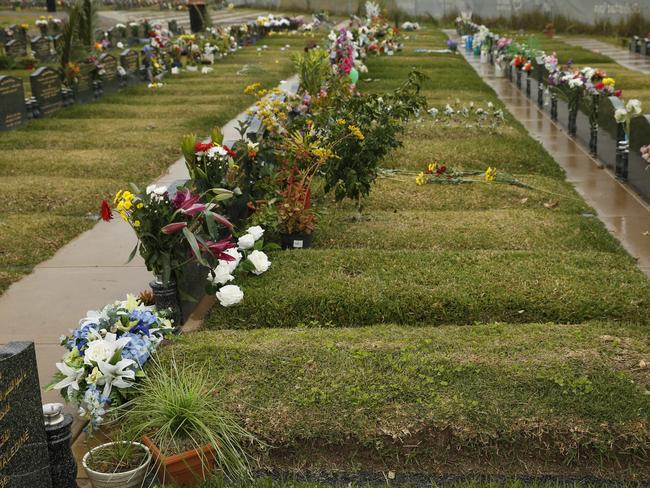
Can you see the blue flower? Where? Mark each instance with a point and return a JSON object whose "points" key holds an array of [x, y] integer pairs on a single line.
{"points": [[138, 348], [145, 320]]}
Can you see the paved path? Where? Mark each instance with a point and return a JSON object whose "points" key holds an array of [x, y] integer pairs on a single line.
{"points": [[620, 55], [623, 212]]}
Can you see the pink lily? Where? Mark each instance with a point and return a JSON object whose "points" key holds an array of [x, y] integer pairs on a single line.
{"points": [[217, 248], [174, 227]]}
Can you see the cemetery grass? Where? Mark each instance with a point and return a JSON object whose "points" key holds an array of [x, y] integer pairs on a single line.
{"points": [[55, 171], [476, 329]]}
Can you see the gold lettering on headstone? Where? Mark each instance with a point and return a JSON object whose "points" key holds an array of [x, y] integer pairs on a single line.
{"points": [[4, 412], [4, 438], [20, 442], [4, 481], [13, 384]]}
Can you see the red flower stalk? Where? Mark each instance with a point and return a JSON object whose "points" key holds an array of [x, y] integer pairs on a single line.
{"points": [[173, 228], [229, 151], [105, 211]]}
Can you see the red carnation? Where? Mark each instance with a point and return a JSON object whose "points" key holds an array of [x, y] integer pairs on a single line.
{"points": [[441, 170], [105, 211], [599, 86], [618, 93], [201, 147]]}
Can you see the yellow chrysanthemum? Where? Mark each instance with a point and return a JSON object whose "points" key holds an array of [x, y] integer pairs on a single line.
{"points": [[140, 205], [251, 88], [341, 121], [433, 167], [420, 179], [356, 132], [490, 174], [136, 223], [609, 82]]}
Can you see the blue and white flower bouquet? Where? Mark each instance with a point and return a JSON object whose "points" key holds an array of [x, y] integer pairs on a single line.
{"points": [[106, 355]]}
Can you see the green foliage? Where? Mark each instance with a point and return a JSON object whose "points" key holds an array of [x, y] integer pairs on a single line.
{"points": [[313, 68], [87, 23], [179, 406], [381, 119]]}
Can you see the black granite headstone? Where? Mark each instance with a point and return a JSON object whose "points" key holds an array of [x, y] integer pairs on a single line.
{"points": [[57, 41], [13, 112], [130, 61], [41, 47], [638, 177], [84, 90], [16, 48], [111, 76], [46, 88], [24, 460]]}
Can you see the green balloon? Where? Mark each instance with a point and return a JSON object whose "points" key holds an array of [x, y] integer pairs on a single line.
{"points": [[354, 75]]}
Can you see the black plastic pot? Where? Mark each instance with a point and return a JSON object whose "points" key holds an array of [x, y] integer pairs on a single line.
{"points": [[166, 296], [296, 241]]}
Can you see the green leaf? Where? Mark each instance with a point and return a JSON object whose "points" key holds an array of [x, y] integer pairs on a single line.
{"points": [[217, 136], [272, 246], [191, 239], [247, 266], [132, 255]]}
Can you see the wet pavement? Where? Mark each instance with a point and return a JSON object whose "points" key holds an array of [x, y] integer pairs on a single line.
{"points": [[625, 214]]}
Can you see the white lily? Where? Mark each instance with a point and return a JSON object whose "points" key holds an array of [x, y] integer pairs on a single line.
{"points": [[116, 375], [72, 377], [104, 349]]}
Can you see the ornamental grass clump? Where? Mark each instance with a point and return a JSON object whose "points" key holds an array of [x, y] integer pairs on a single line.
{"points": [[179, 408]]}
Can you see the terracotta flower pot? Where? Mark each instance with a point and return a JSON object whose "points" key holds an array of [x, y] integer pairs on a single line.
{"points": [[187, 468]]}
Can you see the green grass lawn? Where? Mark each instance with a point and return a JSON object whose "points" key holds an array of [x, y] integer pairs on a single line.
{"points": [[451, 329], [55, 171]]}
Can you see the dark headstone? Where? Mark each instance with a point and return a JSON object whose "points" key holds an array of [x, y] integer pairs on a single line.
{"points": [[84, 90], [130, 61], [638, 177], [4, 38], [13, 112], [16, 48], [41, 47], [46, 88], [24, 460], [111, 76], [57, 41], [172, 25], [198, 14]]}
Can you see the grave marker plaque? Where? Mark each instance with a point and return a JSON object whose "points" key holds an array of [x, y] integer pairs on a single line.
{"points": [[13, 112], [130, 61], [111, 77], [24, 459], [41, 47], [84, 89], [46, 88], [16, 48]]}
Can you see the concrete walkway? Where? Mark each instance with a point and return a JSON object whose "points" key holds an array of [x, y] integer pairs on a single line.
{"points": [[619, 55], [623, 212]]}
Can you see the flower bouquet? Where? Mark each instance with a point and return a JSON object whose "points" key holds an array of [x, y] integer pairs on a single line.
{"points": [[441, 174], [106, 355]]}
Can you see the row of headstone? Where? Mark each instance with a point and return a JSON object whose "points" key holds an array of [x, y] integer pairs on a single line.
{"points": [[592, 123], [49, 94], [44, 48], [640, 45]]}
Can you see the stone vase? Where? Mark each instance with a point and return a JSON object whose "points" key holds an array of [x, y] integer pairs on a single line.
{"points": [[166, 297]]}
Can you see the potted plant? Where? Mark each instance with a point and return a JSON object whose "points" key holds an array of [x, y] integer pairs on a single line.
{"points": [[178, 412], [120, 464], [297, 222]]}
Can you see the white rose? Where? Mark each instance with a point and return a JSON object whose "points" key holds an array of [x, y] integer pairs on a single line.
{"points": [[246, 241], [120, 45], [230, 295], [620, 115], [98, 350], [257, 232], [634, 106], [260, 261], [221, 274], [231, 265]]}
